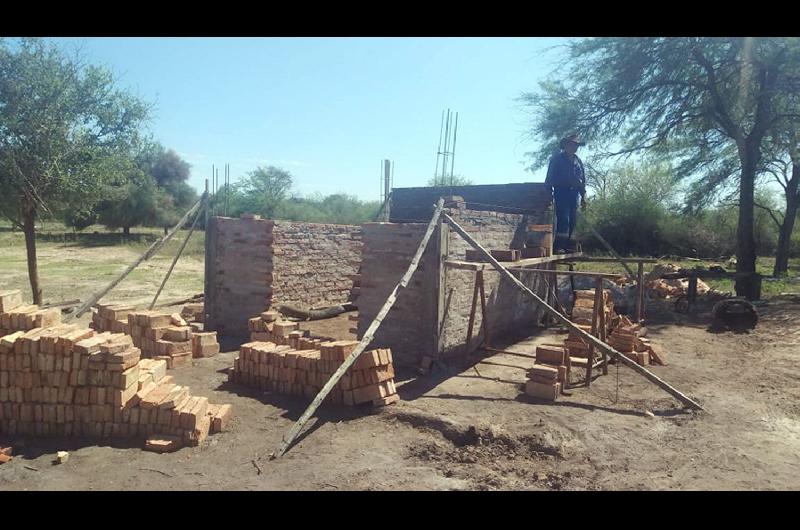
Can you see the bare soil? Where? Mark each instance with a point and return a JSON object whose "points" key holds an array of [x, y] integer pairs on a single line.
{"points": [[471, 427]]}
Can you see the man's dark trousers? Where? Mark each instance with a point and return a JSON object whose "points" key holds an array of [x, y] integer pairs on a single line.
{"points": [[566, 205]]}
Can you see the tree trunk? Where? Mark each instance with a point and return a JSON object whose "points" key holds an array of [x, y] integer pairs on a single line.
{"points": [[165, 230], [126, 230], [29, 227], [745, 237], [785, 237]]}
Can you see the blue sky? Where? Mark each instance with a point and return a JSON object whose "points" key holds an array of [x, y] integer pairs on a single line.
{"points": [[330, 109]]}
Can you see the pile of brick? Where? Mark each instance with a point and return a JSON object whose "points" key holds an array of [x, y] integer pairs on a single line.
{"points": [[629, 339], [164, 336], [549, 374], [583, 309], [16, 315], [66, 380], [112, 317], [5, 454], [194, 315], [539, 241], [304, 366]]}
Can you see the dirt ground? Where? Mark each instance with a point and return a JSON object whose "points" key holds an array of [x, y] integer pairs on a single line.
{"points": [[470, 427]]}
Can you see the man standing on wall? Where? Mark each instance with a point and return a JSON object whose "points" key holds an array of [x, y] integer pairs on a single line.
{"points": [[566, 177]]}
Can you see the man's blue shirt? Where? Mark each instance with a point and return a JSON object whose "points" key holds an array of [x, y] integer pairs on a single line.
{"points": [[565, 173]]}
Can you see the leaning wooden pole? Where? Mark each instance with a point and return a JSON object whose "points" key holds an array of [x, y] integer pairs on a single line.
{"points": [[613, 253], [602, 346], [174, 261], [147, 255], [365, 340]]}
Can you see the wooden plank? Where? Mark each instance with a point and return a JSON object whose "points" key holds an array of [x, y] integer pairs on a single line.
{"points": [[578, 331], [147, 255], [365, 340]]}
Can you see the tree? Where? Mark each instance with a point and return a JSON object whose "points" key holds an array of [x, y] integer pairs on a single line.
{"points": [[696, 97], [79, 217], [263, 190], [171, 173], [132, 201], [64, 129], [449, 180]]}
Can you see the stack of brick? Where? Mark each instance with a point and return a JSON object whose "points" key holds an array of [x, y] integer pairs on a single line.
{"points": [[549, 374], [629, 339], [305, 366], [70, 381], [194, 315], [17, 316], [583, 308], [111, 317], [539, 242], [167, 337]]}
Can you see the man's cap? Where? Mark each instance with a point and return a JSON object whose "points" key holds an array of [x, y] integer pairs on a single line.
{"points": [[572, 137]]}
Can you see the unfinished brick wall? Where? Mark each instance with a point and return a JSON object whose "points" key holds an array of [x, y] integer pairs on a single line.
{"points": [[509, 312], [253, 264], [410, 327]]}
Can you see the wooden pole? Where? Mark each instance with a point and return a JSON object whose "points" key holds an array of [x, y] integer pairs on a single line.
{"points": [[613, 252], [441, 285], [639, 293], [365, 340], [174, 261], [484, 316], [472, 314], [147, 255], [596, 308], [561, 318]]}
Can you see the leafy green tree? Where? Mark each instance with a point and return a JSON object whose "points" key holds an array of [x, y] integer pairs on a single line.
{"points": [[132, 201], [64, 129], [79, 217], [697, 97], [263, 190]]}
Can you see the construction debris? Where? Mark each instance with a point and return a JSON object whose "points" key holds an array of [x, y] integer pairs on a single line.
{"points": [[5, 454], [62, 457]]}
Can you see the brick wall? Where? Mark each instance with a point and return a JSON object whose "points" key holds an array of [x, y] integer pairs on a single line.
{"points": [[410, 327], [257, 263], [509, 312], [313, 263]]}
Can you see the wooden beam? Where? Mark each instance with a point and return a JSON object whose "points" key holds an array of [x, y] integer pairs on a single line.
{"points": [[174, 261], [605, 275], [441, 285], [561, 318], [639, 292], [147, 255], [365, 340], [605, 259], [528, 262]]}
